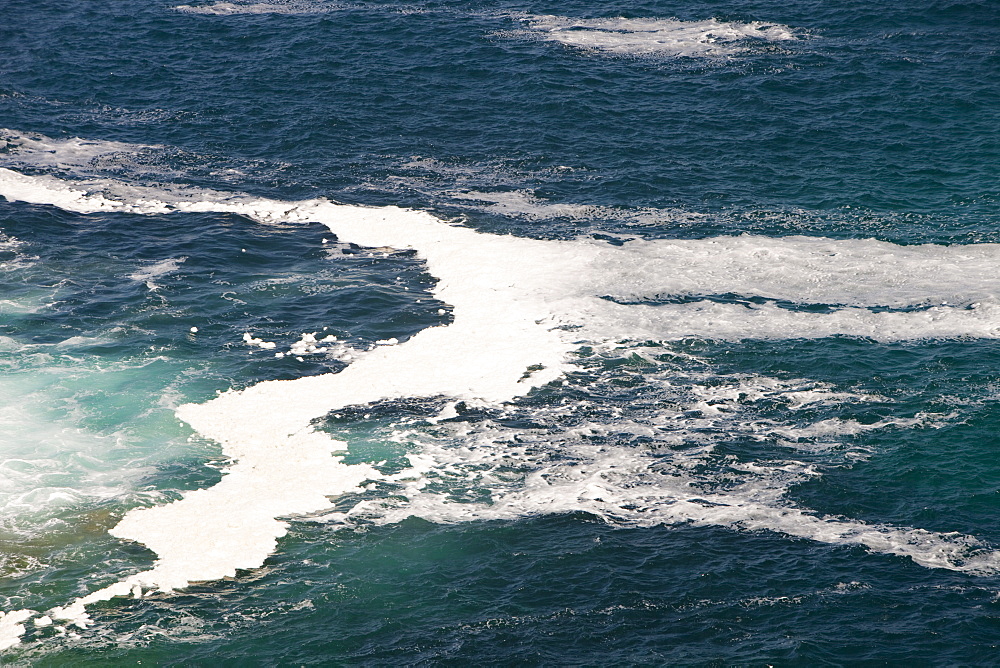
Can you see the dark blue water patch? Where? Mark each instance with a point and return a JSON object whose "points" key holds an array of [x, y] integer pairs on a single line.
{"points": [[557, 591], [876, 111], [230, 276], [939, 474], [940, 479], [934, 369], [879, 121]]}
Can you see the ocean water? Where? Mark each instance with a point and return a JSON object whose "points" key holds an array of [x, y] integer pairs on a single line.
{"points": [[499, 333]]}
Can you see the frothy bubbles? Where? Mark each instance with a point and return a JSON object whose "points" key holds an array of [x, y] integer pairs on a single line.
{"points": [[285, 7], [652, 36], [521, 308], [71, 154]]}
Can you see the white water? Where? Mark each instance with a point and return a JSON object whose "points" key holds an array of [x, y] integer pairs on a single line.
{"points": [[50, 460], [520, 307], [286, 7], [654, 36], [526, 205], [72, 153], [12, 627]]}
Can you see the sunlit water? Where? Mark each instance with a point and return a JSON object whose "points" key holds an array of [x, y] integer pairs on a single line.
{"points": [[576, 334]]}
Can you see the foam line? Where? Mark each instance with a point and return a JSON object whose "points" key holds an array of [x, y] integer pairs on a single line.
{"points": [[679, 502], [649, 486], [72, 153], [235, 8], [520, 306], [12, 627]]}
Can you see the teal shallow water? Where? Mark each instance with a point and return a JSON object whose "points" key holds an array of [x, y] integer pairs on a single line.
{"points": [[870, 121]]}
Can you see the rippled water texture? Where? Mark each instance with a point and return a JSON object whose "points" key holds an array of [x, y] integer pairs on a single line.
{"points": [[504, 334]]}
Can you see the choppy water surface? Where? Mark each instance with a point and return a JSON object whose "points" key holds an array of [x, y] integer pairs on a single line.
{"points": [[494, 333]]}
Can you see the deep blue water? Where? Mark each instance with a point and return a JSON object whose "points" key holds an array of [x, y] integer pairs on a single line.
{"points": [[873, 120]]}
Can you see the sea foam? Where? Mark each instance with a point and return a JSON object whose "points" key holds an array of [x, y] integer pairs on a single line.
{"points": [[232, 8], [654, 36], [71, 153], [521, 307]]}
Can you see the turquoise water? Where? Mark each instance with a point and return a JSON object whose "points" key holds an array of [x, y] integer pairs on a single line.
{"points": [[776, 448]]}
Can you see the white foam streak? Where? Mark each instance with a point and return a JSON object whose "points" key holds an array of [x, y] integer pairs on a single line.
{"points": [[625, 488], [232, 8], [71, 153], [942, 291], [649, 36], [837, 427], [815, 270], [520, 307], [525, 204], [709, 320], [157, 269]]}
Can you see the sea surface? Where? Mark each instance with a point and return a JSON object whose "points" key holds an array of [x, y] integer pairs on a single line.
{"points": [[499, 333]]}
